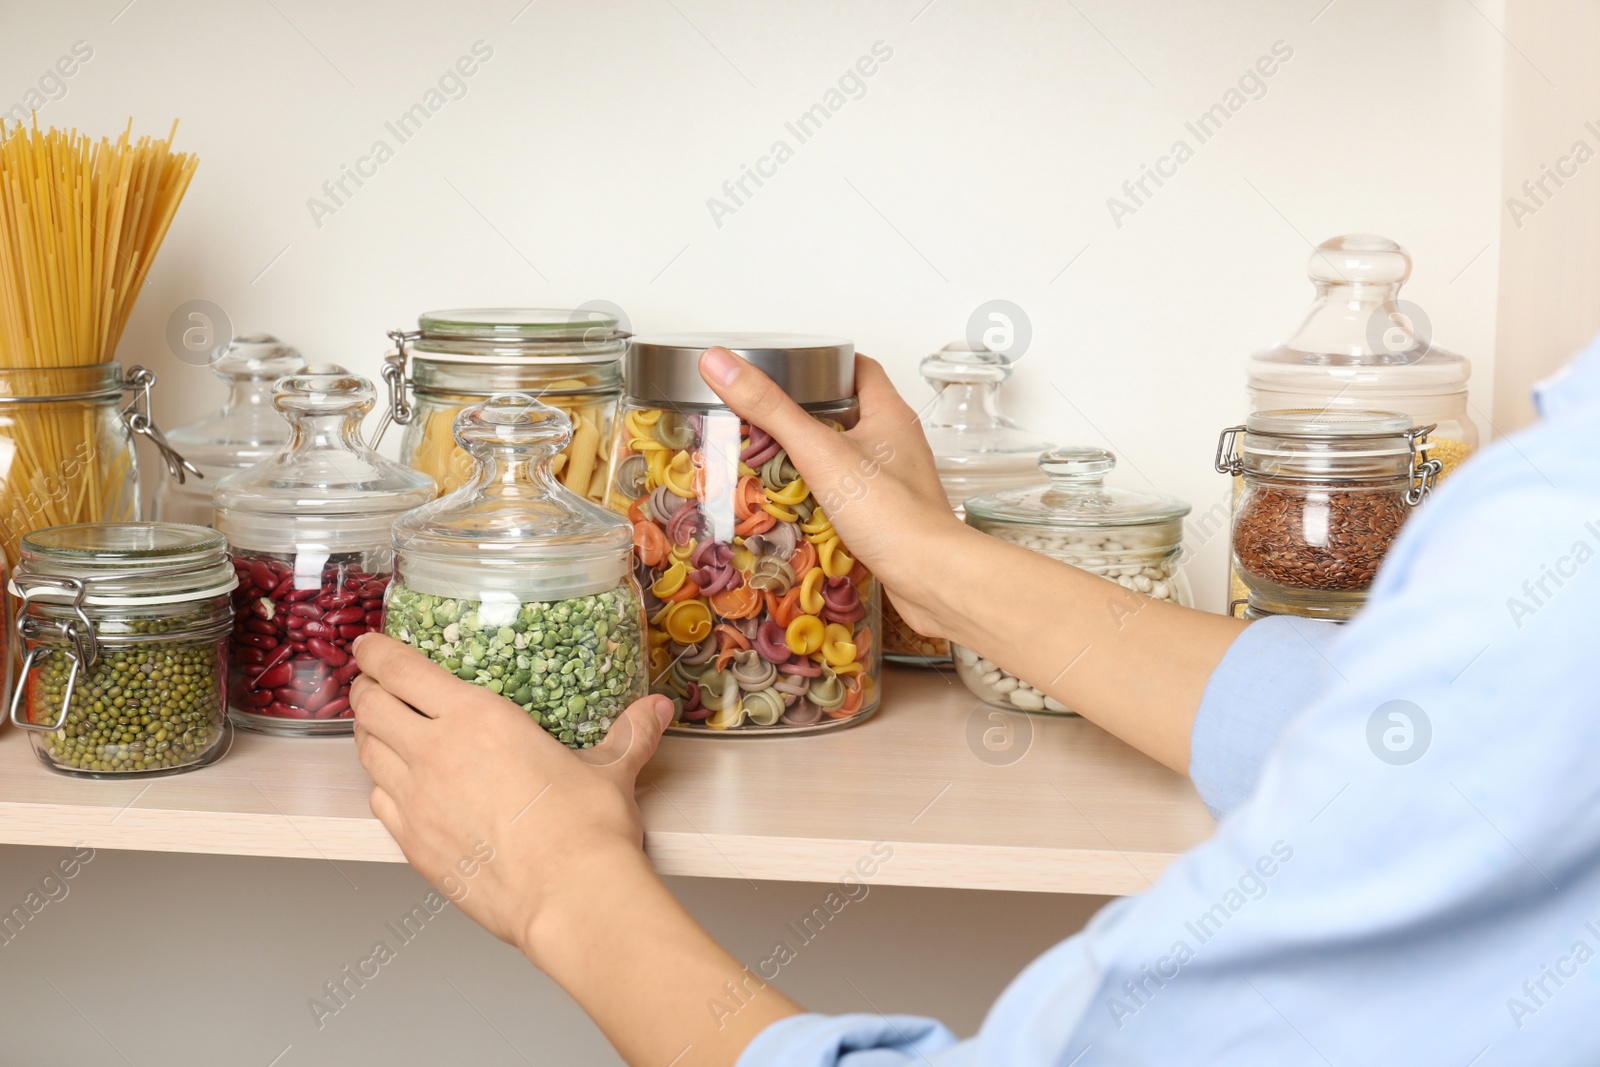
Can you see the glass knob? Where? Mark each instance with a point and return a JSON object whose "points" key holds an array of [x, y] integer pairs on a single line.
{"points": [[321, 389], [516, 422], [1359, 259], [1077, 465]]}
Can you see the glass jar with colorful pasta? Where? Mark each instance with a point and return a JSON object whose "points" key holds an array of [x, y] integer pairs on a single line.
{"points": [[124, 629], [760, 620], [977, 450], [309, 531], [571, 360], [1126, 536], [516, 583]]}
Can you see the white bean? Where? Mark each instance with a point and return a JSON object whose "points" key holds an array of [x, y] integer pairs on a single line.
{"points": [[1027, 700]]}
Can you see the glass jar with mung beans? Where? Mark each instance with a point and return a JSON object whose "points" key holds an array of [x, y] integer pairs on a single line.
{"points": [[518, 584], [1324, 495], [309, 531], [123, 632]]}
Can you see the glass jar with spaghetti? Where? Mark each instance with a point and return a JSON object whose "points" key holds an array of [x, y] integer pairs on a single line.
{"points": [[309, 529], [124, 634], [760, 621], [517, 584], [572, 360], [1325, 494], [1126, 536], [66, 447]]}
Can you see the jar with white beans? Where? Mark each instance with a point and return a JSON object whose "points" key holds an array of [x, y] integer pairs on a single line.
{"points": [[1125, 536]]}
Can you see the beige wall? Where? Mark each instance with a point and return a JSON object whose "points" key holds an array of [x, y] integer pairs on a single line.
{"points": [[1550, 259]]}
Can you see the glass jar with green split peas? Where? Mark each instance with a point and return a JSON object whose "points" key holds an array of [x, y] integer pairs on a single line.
{"points": [[515, 583], [123, 631]]}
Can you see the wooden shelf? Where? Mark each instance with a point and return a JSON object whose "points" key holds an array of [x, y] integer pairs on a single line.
{"points": [[1069, 810]]}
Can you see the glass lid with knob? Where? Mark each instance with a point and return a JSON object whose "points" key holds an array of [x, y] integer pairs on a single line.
{"points": [[976, 448], [1359, 334], [246, 428], [1076, 496], [513, 527], [325, 485]]}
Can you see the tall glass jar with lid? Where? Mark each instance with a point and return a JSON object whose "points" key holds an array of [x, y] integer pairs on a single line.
{"points": [[1325, 494], [245, 430], [977, 450], [309, 529], [760, 620], [1132, 538], [570, 359], [1363, 348], [516, 583], [124, 634]]}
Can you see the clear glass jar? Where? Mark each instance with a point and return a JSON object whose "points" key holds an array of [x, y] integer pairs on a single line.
{"points": [[760, 621], [571, 360], [1362, 348], [1325, 494], [1125, 536], [309, 529], [124, 632], [66, 451], [245, 430], [518, 584], [977, 450]]}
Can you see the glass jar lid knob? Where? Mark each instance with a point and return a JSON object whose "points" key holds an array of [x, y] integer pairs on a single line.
{"points": [[1077, 467], [517, 422], [323, 388], [1359, 259]]}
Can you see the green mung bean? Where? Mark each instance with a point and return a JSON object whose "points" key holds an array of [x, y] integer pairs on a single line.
{"points": [[142, 706], [573, 665]]}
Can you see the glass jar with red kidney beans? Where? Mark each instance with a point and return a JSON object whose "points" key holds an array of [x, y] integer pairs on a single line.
{"points": [[309, 530]]}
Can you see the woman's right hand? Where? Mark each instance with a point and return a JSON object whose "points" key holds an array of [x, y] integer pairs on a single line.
{"points": [[876, 481]]}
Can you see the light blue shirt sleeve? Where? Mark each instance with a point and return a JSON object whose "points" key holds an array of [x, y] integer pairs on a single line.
{"points": [[1415, 876]]}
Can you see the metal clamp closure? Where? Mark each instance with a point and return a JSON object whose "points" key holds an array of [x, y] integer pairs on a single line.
{"points": [[398, 411], [1228, 460], [137, 415], [79, 630], [1424, 471]]}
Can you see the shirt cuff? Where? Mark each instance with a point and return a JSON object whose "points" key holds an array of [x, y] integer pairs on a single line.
{"points": [[1269, 674], [847, 1040]]}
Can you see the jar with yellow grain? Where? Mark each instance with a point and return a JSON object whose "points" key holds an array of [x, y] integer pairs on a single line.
{"points": [[568, 359]]}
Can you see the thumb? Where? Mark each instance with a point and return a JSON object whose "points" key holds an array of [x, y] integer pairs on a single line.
{"points": [[633, 738], [757, 399]]}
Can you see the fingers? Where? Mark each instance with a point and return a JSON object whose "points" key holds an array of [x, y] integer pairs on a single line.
{"points": [[380, 714], [387, 811], [382, 762], [876, 391], [633, 739], [757, 399], [410, 675]]}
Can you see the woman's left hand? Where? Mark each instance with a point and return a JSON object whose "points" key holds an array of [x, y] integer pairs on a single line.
{"points": [[501, 817]]}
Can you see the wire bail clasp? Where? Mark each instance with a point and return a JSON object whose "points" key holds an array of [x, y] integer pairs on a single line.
{"points": [[399, 410], [137, 415], [79, 630]]}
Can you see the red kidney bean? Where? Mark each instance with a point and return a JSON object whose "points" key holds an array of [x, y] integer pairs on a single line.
{"points": [[273, 677], [346, 673], [305, 594], [372, 603], [257, 698], [262, 608], [314, 628], [343, 616], [352, 631], [332, 655], [259, 626], [294, 623], [335, 709], [331, 601], [322, 693], [298, 646], [294, 698], [262, 575], [261, 641], [281, 590], [306, 610], [375, 620], [285, 711], [249, 656]]}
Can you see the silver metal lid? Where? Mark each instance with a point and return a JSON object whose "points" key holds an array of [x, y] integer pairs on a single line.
{"points": [[812, 370]]}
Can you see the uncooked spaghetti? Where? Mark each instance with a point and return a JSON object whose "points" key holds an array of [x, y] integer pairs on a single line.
{"points": [[80, 223]]}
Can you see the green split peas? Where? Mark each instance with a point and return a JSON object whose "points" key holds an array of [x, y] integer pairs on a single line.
{"points": [[142, 705], [573, 665]]}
